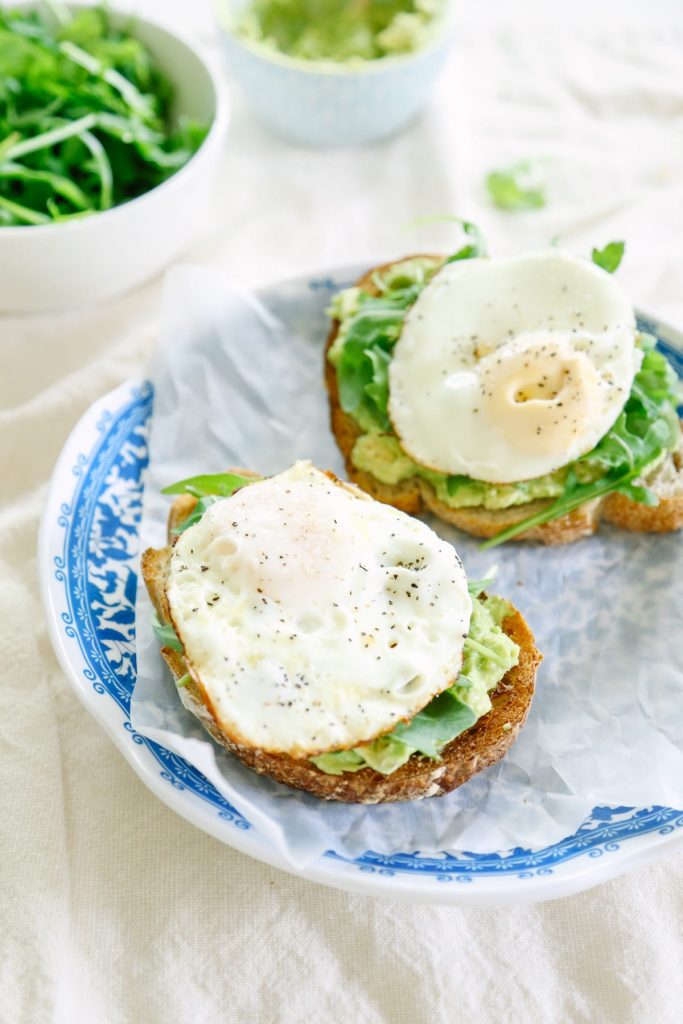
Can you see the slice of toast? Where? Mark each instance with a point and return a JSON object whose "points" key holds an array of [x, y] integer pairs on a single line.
{"points": [[482, 745], [416, 495]]}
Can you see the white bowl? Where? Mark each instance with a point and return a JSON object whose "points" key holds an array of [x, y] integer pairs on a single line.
{"points": [[322, 103], [57, 266]]}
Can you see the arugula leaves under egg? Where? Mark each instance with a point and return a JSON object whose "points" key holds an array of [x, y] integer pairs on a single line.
{"points": [[363, 368], [207, 488], [166, 635]]}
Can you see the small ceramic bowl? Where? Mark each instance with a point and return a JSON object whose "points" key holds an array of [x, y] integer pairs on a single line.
{"points": [[57, 266], [321, 103]]}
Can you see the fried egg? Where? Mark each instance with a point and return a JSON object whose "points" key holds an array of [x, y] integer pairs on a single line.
{"points": [[508, 369], [314, 617]]}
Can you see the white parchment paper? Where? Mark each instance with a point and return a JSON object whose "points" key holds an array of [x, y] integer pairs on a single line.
{"points": [[238, 382]]}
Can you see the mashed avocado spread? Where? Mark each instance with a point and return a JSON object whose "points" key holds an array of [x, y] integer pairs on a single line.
{"points": [[338, 30], [489, 654], [382, 456]]}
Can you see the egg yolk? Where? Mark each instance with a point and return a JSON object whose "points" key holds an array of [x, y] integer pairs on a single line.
{"points": [[296, 551], [541, 394]]}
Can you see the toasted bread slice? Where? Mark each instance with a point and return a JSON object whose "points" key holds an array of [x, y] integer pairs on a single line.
{"points": [[482, 745], [415, 495]]}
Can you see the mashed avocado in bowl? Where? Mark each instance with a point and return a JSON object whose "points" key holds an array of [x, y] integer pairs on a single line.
{"points": [[339, 30], [327, 73]]}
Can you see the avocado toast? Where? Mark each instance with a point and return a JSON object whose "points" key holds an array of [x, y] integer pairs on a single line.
{"points": [[632, 478], [469, 723]]}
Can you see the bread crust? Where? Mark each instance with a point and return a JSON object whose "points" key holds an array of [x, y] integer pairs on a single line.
{"points": [[477, 748], [415, 495]]}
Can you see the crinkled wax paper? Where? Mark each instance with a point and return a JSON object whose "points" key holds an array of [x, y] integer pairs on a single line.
{"points": [[238, 382]]}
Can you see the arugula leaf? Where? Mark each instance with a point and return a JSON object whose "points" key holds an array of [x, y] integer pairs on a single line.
{"points": [[476, 587], [377, 390], [640, 493], [221, 484], [15, 213], [354, 375], [61, 185], [610, 257], [574, 495], [515, 188], [206, 501], [166, 635], [362, 371], [444, 718], [208, 488], [477, 247]]}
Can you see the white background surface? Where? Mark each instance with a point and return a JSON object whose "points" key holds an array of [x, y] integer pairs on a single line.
{"points": [[115, 910]]}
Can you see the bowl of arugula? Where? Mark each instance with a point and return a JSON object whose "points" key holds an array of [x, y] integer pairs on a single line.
{"points": [[111, 129]]}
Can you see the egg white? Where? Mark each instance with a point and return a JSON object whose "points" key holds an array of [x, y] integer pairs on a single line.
{"points": [[314, 617], [508, 369]]}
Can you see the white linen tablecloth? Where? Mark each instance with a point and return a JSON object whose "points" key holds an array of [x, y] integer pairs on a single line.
{"points": [[115, 910]]}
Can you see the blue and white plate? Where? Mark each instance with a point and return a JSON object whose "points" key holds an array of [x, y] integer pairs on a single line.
{"points": [[89, 573]]}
